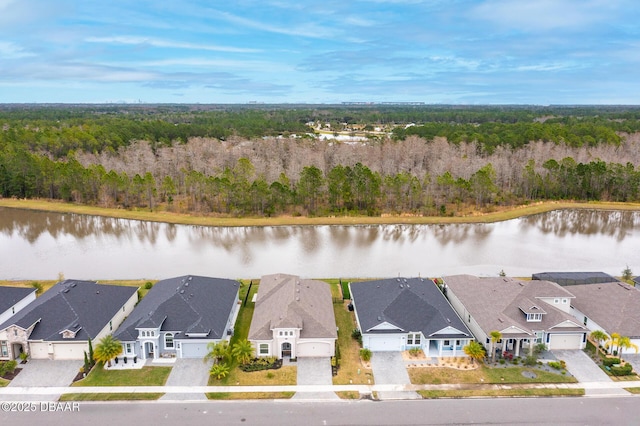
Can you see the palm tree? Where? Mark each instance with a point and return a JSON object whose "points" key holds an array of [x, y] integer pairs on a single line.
{"points": [[107, 349], [599, 336], [242, 351], [613, 342], [219, 371], [625, 343], [495, 336], [474, 350], [219, 352]]}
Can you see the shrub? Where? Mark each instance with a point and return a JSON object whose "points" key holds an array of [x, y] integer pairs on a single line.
{"points": [[608, 362], [530, 361], [623, 370], [515, 361], [415, 351], [356, 334], [38, 286], [270, 375], [148, 285], [365, 354], [502, 361], [11, 366], [219, 371], [555, 365]]}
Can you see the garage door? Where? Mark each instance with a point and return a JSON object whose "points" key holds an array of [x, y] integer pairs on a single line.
{"points": [[565, 341], [194, 349], [385, 343], [310, 349]]}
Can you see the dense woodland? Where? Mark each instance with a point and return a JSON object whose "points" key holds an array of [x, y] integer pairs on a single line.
{"points": [[268, 160]]}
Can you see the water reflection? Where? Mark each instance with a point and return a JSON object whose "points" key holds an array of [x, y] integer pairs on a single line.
{"points": [[41, 244]]}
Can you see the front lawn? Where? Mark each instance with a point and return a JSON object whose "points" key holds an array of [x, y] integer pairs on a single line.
{"points": [[146, 376], [465, 393], [250, 395], [484, 374]]}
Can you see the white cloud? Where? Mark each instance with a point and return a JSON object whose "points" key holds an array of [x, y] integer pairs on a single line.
{"points": [[10, 50], [149, 41]]}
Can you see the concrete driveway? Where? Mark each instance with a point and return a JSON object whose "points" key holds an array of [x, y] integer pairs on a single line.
{"points": [[314, 371], [581, 366], [46, 373], [634, 360], [188, 372], [389, 369]]}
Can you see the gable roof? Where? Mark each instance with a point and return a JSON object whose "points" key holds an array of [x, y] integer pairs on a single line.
{"points": [[614, 306], [82, 307], [9, 296], [411, 304], [500, 303], [286, 301], [186, 304]]}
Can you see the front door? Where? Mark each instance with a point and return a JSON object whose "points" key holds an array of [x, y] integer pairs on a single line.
{"points": [[148, 350], [286, 349]]}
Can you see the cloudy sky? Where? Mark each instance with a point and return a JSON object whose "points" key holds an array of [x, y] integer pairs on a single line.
{"points": [[281, 51]]}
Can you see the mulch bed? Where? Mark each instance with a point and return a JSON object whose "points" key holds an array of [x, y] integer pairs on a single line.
{"points": [[11, 376]]}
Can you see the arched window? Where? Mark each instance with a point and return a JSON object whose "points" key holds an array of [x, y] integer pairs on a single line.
{"points": [[168, 341]]}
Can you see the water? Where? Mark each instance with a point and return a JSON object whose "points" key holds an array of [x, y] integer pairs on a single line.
{"points": [[40, 245]]}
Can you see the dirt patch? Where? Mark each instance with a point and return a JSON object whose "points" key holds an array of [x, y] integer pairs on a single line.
{"points": [[415, 356]]}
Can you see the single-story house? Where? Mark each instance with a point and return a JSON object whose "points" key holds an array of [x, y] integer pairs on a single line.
{"points": [[13, 300], [524, 312], [293, 318], [397, 314], [574, 278], [179, 317], [611, 307], [60, 323]]}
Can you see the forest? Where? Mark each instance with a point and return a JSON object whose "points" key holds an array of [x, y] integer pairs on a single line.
{"points": [[269, 160]]}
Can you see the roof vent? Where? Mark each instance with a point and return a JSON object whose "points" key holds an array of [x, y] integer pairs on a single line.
{"points": [[181, 291], [74, 284], [186, 285], [379, 318], [500, 319], [398, 279], [401, 286], [190, 277], [97, 291], [408, 286], [405, 280], [66, 290]]}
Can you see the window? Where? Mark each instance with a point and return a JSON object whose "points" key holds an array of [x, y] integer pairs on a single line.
{"points": [[556, 301], [564, 301], [447, 343], [13, 309], [110, 325], [4, 351], [469, 317], [534, 317], [264, 349], [457, 342], [409, 339], [168, 341], [584, 321], [127, 348], [416, 339], [539, 336]]}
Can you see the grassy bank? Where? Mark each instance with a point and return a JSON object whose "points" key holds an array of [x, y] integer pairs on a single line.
{"points": [[467, 216]]}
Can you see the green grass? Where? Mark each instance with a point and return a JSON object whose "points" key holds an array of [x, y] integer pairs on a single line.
{"points": [[633, 390], [465, 393], [348, 395], [3, 382], [351, 369], [146, 376], [249, 395], [470, 216], [110, 396]]}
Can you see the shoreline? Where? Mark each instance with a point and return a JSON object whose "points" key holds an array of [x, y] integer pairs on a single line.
{"points": [[187, 219]]}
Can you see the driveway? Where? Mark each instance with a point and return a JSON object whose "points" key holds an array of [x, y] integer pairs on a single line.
{"points": [[314, 371], [188, 372], [389, 369], [45, 373], [581, 366], [634, 360]]}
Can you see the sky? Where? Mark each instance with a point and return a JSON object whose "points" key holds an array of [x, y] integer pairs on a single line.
{"points": [[279, 51]]}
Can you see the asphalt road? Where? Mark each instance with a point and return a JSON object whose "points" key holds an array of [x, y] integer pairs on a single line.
{"points": [[496, 411]]}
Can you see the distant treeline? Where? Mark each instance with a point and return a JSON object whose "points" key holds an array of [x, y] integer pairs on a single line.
{"points": [[240, 160]]}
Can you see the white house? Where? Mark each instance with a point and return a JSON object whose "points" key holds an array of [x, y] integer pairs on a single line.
{"points": [[179, 317], [59, 324], [612, 307], [397, 314], [524, 312], [293, 317]]}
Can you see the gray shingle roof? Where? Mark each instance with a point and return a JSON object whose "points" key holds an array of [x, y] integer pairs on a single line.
{"points": [[614, 306], [82, 306], [412, 304], [186, 304], [574, 278], [497, 303], [289, 301], [9, 296]]}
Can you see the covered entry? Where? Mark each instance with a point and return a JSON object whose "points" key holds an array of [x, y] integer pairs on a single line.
{"points": [[286, 349], [149, 352]]}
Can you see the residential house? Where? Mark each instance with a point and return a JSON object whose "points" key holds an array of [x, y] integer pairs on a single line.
{"points": [[12, 300], [524, 312], [293, 317], [179, 317], [397, 314], [611, 307], [59, 324]]}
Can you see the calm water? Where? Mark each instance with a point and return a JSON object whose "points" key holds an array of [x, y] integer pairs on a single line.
{"points": [[37, 245]]}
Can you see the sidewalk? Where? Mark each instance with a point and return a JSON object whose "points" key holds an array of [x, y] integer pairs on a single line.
{"points": [[614, 388]]}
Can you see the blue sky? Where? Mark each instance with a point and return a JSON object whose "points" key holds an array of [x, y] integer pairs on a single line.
{"points": [[280, 51]]}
